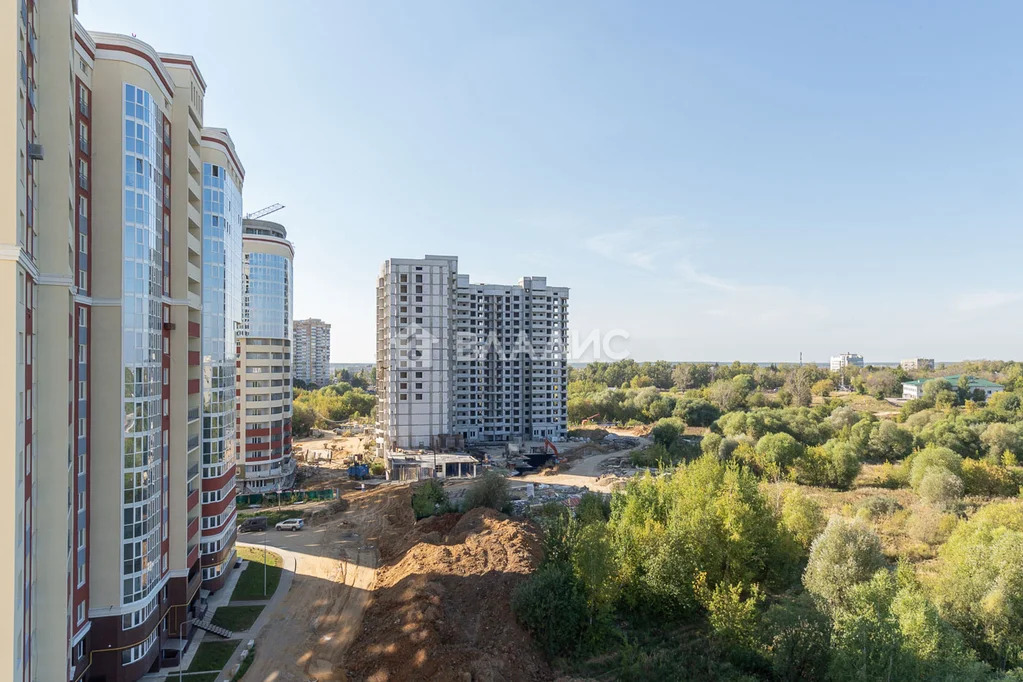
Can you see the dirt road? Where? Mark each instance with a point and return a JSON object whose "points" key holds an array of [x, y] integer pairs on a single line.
{"points": [[335, 573], [585, 471]]}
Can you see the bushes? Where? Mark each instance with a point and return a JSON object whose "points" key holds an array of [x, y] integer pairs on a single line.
{"points": [[429, 498], [979, 587], [797, 639], [666, 431], [983, 478], [552, 606], [940, 487], [879, 505], [377, 467], [844, 555], [490, 490], [802, 517], [932, 456], [776, 452], [833, 464]]}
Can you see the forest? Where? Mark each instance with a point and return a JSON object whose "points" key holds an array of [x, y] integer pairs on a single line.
{"points": [[786, 530]]}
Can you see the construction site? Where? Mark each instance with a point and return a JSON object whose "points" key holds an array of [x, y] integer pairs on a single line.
{"points": [[377, 595]]}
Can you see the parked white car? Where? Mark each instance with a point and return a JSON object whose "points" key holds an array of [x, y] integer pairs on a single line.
{"points": [[290, 524]]}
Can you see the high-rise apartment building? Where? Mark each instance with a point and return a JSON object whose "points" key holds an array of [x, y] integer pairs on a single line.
{"points": [[101, 333], [312, 351], [264, 360], [222, 177], [484, 362]]}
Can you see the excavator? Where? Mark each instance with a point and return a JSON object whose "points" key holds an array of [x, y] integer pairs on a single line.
{"points": [[586, 421]]}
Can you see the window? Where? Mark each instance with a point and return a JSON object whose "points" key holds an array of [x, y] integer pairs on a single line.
{"points": [[80, 618], [83, 243], [81, 427]]}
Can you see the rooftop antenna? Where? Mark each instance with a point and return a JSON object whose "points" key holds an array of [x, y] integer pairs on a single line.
{"points": [[255, 215]]}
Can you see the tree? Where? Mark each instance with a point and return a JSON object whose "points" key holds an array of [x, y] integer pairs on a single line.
{"points": [[844, 555], [688, 376], [797, 637], [930, 457], [552, 606], [999, 438], [802, 517], [979, 587], [940, 487], [890, 441], [666, 431], [302, 419], [776, 452], [490, 490], [696, 411], [935, 386], [824, 387]]}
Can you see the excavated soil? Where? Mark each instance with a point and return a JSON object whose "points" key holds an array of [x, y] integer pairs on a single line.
{"points": [[441, 607]]}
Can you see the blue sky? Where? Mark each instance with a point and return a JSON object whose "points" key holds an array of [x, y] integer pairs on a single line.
{"points": [[721, 180]]}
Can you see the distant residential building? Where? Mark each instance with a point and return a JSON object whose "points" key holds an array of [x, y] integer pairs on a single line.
{"points": [[918, 363], [312, 351], [840, 362], [464, 362], [912, 390]]}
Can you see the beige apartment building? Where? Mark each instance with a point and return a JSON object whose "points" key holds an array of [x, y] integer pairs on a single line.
{"points": [[312, 351], [101, 351], [264, 360]]}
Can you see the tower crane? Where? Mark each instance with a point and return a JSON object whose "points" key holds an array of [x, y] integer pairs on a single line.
{"points": [[255, 215]]}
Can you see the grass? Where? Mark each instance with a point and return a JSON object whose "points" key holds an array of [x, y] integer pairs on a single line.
{"points": [[236, 618], [211, 655], [250, 582], [243, 667]]}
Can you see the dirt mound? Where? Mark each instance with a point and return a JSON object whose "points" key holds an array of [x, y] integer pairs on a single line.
{"points": [[442, 610]]}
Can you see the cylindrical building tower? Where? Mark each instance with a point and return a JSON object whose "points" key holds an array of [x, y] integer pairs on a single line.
{"points": [[264, 352]]}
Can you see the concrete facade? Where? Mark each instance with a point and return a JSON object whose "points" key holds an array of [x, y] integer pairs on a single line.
{"points": [[484, 362], [917, 364]]}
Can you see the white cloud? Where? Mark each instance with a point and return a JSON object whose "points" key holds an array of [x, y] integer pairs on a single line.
{"points": [[985, 300]]}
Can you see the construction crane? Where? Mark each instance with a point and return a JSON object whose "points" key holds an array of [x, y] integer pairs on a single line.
{"points": [[255, 215]]}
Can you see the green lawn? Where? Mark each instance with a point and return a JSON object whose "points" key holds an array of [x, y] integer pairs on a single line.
{"points": [[250, 582], [211, 655], [236, 618]]}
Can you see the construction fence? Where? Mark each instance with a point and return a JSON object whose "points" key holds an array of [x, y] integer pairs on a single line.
{"points": [[288, 497]]}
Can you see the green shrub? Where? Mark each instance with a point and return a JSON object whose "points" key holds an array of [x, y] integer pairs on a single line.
{"points": [[802, 517], [429, 498], [377, 467], [844, 555], [552, 606], [983, 478], [593, 508], [879, 505], [932, 456], [940, 487], [796, 636], [490, 490]]}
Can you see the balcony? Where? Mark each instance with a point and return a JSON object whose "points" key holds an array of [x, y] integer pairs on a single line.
{"points": [[83, 181], [193, 443], [83, 144], [193, 471], [83, 107], [193, 414]]}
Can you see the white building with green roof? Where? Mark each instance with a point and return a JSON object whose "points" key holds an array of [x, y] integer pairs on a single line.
{"points": [[915, 389]]}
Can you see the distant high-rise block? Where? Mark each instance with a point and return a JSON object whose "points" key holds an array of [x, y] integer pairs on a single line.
{"points": [[312, 351], [486, 362]]}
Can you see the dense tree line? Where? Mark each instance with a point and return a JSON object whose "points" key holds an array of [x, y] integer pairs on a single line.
{"points": [[324, 408]]}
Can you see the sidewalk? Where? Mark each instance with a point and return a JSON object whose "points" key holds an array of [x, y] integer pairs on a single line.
{"points": [[287, 575], [223, 598]]}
